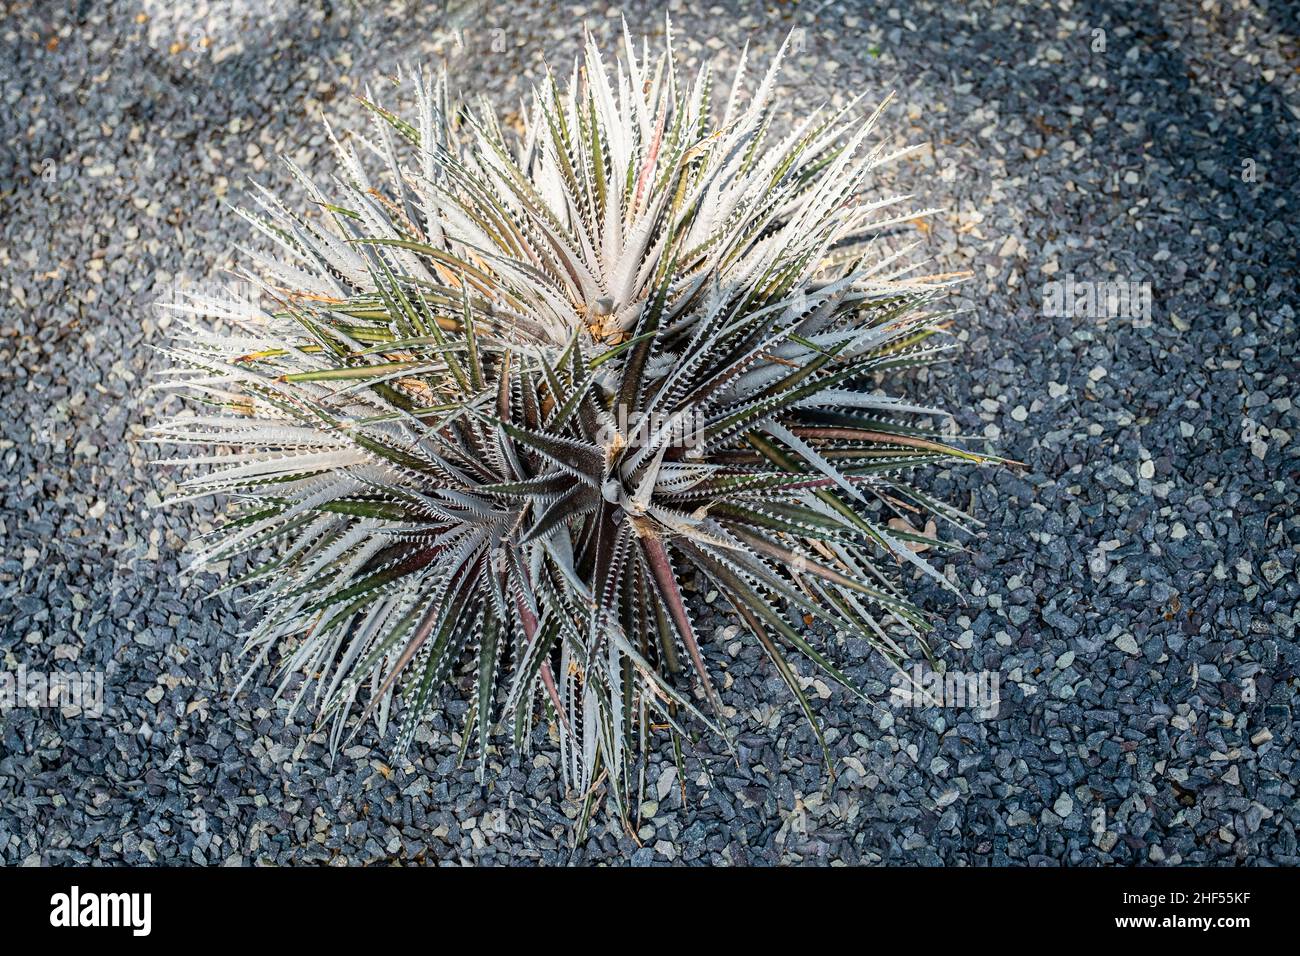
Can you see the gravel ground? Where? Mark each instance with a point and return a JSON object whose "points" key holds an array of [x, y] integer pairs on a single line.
{"points": [[1134, 588]]}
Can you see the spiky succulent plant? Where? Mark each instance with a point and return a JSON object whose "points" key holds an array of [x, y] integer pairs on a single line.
{"points": [[514, 394]]}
